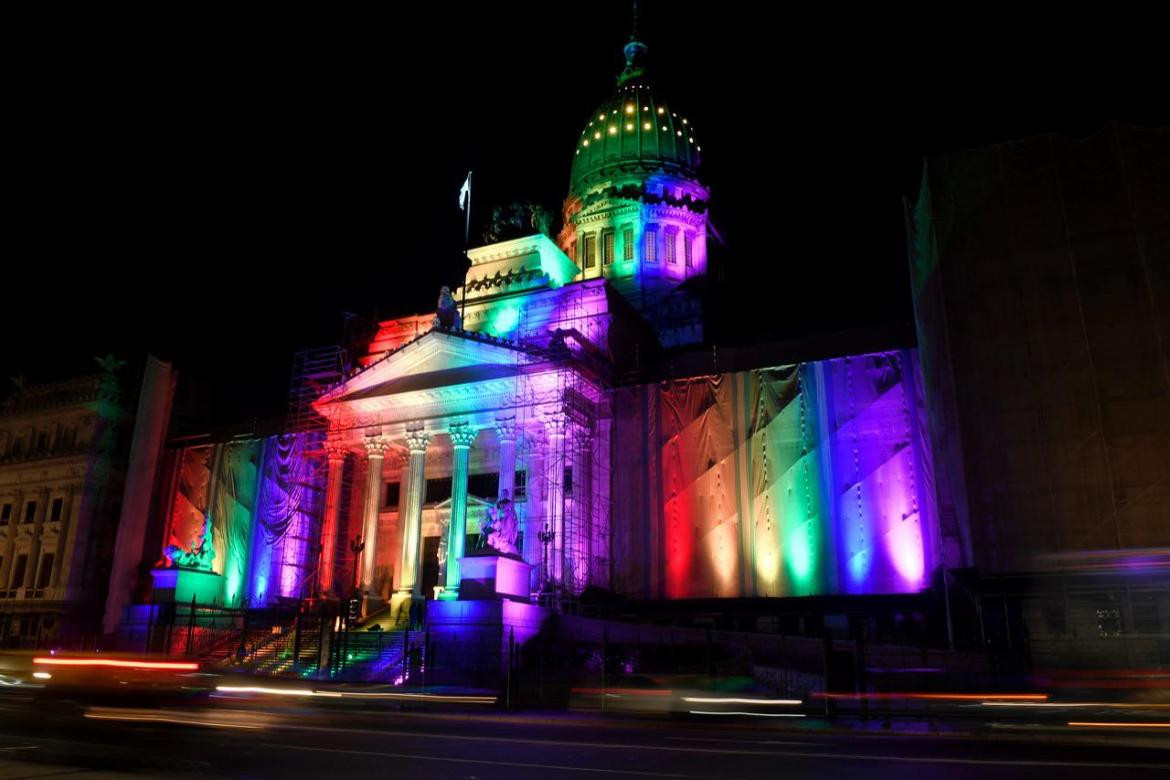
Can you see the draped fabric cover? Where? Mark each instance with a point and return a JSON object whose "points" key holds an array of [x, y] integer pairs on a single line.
{"points": [[263, 496], [290, 496], [234, 503], [189, 506], [217, 481], [786, 481]]}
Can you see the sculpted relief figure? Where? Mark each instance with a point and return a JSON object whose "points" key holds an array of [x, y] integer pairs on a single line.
{"points": [[198, 557]]}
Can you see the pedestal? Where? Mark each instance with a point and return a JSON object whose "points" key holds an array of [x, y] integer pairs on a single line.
{"points": [[181, 585], [494, 576]]}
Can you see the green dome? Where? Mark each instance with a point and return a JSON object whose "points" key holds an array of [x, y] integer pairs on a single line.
{"points": [[634, 130]]}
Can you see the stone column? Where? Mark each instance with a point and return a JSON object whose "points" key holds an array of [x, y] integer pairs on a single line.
{"points": [[10, 540], [579, 532], [461, 438], [34, 548], [410, 583], [335, 453], [376, 447], [555, 426], [63, 537], [506, 431]]}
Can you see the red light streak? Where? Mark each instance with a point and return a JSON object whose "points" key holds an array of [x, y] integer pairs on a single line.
{"points": [[979, 697], [119, 663]]}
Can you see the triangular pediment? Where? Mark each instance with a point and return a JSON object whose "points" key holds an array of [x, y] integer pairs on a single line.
{"points": [[438, 358]]}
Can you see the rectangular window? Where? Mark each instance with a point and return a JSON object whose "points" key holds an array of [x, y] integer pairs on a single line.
{"points": [[607, 247], [520, 485], [628, 244], [588, 256], [390, 499], [485, 486], [650, 241], [1108, 622], [46, 570], [17, 578], [438, 489], [688, 251], [5, 514], [30, 511], [671, 238], [55, 511]]}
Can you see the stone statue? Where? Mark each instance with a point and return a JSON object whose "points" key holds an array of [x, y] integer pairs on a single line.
{"points": [[198, 557], [517, 220], [442, 554], [500, 530], [447, 313]]}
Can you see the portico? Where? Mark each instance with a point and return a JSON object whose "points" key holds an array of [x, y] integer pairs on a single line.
{"points": [[446, 404]]}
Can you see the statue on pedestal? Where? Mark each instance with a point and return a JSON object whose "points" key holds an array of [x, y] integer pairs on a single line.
{"points": [[500, 530], [447, 312]]}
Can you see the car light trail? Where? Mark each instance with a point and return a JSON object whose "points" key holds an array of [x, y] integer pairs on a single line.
{"points": [[120, 663]]}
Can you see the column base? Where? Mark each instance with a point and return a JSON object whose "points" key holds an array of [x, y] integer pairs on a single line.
{"points": [[371, 603], [449, 594]]}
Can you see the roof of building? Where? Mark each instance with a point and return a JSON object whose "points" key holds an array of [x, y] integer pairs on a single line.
{"points": [[636, 129]]}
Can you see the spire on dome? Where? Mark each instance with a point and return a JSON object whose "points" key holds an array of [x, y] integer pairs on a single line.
{"points": [[635, 52]]}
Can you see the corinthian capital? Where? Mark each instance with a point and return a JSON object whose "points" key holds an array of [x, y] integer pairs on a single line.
{"points": [[506, 429], [335, 450], [462, 434], [554, 422], [376, 446], [418, 440]]}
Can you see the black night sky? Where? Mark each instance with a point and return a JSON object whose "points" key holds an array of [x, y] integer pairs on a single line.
{"points": [[219, 190]]}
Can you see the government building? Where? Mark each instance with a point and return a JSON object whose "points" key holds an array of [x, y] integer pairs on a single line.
{"points": [[559, 439]]}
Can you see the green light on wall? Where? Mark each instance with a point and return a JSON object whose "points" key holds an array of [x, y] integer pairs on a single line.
{"points": [[504, 320]]}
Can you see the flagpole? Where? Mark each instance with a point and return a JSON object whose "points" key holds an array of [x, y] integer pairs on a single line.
{"points": [[467, 213], [466, 241]]}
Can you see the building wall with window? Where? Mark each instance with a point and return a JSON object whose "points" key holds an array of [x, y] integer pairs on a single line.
{"points": [[64, 449]]}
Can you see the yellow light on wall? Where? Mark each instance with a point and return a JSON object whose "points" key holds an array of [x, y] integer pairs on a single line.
{"points": [[629, 126], [678, 132], [647, 126], [629, 108], [661, 110], [586, 142], [596, 135], [613, 129]]}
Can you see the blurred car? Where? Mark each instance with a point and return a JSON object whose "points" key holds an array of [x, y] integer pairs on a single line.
{"points": [[680, 695]]}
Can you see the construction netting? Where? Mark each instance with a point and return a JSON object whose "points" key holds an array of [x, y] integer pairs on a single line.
{"points": [[788, 481], [1041, 278]]}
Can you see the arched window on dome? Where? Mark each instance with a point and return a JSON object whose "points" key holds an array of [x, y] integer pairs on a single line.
{"points": [[607, 247], [689, 250], [671, 237], [650, 244], [628, 243]]}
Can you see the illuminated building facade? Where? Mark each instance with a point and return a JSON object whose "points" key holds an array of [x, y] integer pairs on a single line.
{"points": [[530, 383]]}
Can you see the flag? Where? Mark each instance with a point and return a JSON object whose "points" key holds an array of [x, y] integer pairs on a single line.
{"points": [[465, 193]]}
